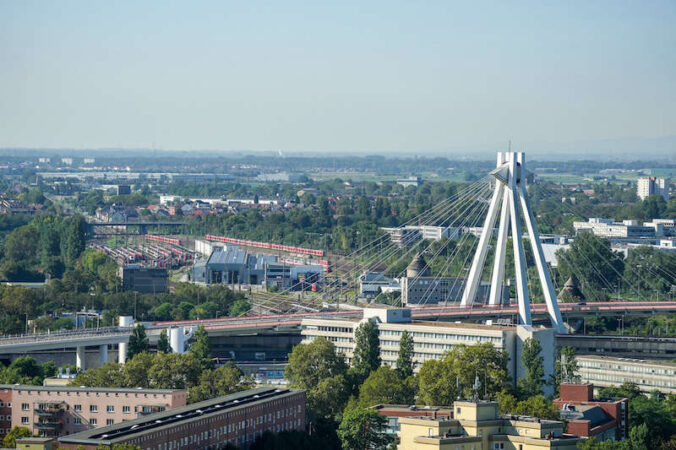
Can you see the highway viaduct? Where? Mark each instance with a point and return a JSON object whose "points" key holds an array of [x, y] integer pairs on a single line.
{"points": [[277, 334]]}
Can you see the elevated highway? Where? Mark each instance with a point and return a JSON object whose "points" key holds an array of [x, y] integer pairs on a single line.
{"points": [[285, 322]]}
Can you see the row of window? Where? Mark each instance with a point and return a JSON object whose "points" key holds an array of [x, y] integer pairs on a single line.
{"points": [[630, 368]]}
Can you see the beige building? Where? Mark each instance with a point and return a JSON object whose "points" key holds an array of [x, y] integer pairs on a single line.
{"points": [[61, 410], [430, 339], [606, 371], [477, 426]]}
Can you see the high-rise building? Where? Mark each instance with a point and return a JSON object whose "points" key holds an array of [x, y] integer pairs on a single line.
{"points": [[652, 186]]}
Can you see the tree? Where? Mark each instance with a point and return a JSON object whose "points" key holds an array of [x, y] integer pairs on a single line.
{"points": [[384, 385], [200, 348], [366, 356], [531, 384], [328, 398], [565, 372], [163, 343], [138, 341], [593, 262], [313, 362], [405, 359], [224, 380], [362, 428], [10, 438], [438, 379]]}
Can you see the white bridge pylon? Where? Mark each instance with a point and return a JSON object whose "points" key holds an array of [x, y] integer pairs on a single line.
{"points": [[511, 198]]}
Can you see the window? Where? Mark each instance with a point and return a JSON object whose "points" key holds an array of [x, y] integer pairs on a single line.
{"points": [[110, 408], [25, 407], [77, 408], [92, 421], [24, 420], [110, 421], [125, 409], [93, 408], [77, 421]]}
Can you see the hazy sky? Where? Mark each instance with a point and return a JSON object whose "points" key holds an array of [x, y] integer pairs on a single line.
{"points": [[331, 76]]}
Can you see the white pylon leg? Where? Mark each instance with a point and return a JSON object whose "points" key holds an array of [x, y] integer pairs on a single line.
{"points": [[541, 264], [498, 274], [469, 294], [519, 255]]}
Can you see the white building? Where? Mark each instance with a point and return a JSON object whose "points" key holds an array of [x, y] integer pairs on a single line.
{"points": [[628, 229], [606, 371], [430, 339], [410, 234], [652, 186]]}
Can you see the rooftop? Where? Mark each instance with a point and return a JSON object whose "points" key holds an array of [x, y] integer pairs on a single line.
{"points": [[169, 419], [28, 387]]}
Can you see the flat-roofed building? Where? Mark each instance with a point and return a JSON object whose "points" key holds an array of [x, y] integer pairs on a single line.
{"points": [[649, 375], [58, 410], [600, 418], [430, 339], [232, 419], [477, 425], [146, 280]]}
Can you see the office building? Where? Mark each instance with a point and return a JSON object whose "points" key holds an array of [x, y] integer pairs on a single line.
{"points": [[587, 416], [476, 425], [648, 186], [146, 280], [61, 410], [232, 419], [430, 339], [648, 375]]}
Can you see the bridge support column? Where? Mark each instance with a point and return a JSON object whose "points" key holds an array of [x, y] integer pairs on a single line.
{"points": [[122, 353], [80, 358], [103, 353]]}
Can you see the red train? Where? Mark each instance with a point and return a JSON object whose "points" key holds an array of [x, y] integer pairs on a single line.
{"points": [[267, 245], [151, 237]]}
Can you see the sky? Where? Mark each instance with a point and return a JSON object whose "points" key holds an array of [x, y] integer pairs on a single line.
{"points": [[335, 76]]}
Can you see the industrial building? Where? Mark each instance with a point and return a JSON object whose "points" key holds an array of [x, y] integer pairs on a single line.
{"points": [[587, 416], [477, 425], [373, 283], [146, 280], [648, 375], [232, 419], [62, 410], [232, 265], [648, 186], [430, 339]]}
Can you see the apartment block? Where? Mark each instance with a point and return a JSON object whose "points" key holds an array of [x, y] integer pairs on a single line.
{"points": [[232, 419], [648, 186], [61, 410]]}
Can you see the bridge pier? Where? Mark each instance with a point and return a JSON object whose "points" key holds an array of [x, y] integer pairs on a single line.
{"points": [[80, 358], [103, 353]]}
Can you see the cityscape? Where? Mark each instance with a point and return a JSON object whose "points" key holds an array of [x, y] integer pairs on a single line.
{"points": [[263, 226]]}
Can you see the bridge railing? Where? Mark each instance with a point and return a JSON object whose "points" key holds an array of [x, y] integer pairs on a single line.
{"points": [[61, 335]]}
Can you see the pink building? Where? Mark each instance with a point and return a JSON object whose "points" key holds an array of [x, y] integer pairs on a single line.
{"points": [[63, 410]]}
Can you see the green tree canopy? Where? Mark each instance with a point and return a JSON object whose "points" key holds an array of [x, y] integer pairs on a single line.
{"points": [[366, 357], [138, 341], [405, 358], [362, 428]]}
